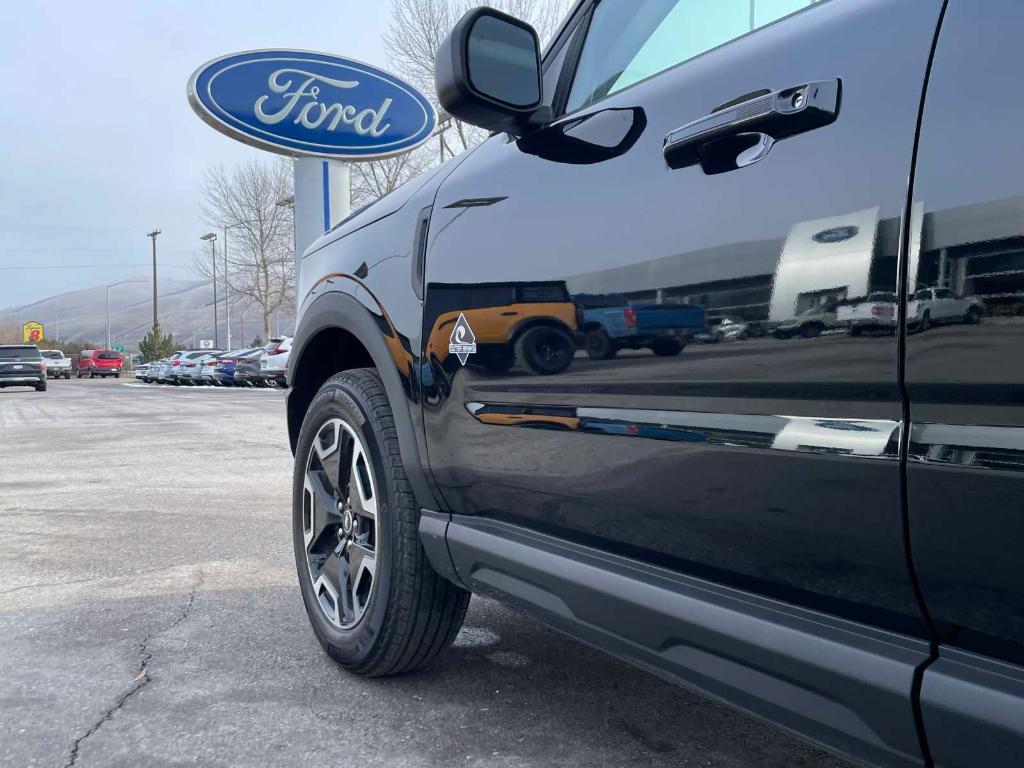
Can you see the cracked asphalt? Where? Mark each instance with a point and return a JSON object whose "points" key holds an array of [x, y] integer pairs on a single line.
{"points": [[149, 616]]}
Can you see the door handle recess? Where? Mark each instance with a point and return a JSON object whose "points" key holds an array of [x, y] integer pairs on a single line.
{"points": [[777, 115]]}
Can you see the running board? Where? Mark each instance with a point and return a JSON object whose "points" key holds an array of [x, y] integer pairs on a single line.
{"points": [[842, 685]]}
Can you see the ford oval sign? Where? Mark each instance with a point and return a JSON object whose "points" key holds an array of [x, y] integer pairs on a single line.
{"points": [[311, 104], [836, 234]]}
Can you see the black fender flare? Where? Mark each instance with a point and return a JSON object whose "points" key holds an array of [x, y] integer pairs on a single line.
{"points": [[342, 311]]}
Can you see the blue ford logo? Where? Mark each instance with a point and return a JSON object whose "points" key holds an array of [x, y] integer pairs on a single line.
{"points": [[303, 103], [836, 234]]}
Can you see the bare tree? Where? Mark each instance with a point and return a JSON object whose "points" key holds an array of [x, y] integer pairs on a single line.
{"points": [[373, 180], [419, 26], [260, 261]]}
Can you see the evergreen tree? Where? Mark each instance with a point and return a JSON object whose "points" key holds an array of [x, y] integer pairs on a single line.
{"points": [[155, 345]]}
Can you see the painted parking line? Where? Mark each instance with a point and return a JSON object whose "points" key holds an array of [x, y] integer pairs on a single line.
{"points": [[172, 388]]}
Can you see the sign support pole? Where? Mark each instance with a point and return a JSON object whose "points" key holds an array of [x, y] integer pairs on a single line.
{"points": [[322, 199]]}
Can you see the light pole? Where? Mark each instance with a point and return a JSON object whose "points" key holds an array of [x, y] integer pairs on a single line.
{"points": [[152, 236], [112, 285], [212, 237]]}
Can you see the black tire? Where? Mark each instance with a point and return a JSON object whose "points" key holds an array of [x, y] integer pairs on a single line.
{"points": [[856, 330], [92, 374], [545, 350], [666, 347], [972, 316], [67, 376], [599, 345], [41, 386], [811, 330], [117, 375], [926, 322], [411, 614]]}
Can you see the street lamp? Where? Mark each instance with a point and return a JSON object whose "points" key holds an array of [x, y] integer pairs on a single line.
{"points": [[112, 285], [153, 236], [212, 237]]}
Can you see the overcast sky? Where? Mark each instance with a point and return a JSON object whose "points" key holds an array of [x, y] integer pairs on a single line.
{"points": [[97, 141]]}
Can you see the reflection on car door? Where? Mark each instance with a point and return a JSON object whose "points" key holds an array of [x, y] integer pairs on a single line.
{"points": [[683, 461], [966, 386]]}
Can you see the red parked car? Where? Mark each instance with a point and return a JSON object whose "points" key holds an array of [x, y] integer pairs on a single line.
{"points": [[99, 362]]}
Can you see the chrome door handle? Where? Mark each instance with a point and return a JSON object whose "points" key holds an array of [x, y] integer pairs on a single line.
{"points": [[737, 129]]}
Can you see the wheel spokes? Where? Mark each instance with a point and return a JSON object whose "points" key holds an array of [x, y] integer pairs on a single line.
{"points": [[362, 563], [340, 523], [321, 515], [361, 495]]}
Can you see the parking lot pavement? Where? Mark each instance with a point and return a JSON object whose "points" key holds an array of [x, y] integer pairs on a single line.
{"points": [[149, 616]]}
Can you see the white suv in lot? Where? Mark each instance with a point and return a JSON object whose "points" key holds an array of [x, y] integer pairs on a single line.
{"points": [[274, 361]]}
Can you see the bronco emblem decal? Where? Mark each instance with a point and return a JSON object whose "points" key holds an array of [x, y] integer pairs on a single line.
{"points": [[462, 342]]}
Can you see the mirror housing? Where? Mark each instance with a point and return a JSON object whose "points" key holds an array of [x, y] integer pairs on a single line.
{"points": [[487, 72]]}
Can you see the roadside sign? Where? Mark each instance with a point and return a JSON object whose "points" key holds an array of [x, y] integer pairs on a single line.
{"points": [[119, 348], [32, 332], [206, 343]]}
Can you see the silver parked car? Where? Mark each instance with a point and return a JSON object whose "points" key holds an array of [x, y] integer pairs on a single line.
{"points": [[191, 364]]}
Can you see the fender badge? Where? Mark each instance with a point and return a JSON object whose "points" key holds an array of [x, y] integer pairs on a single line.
{"points": [[462, 342]]}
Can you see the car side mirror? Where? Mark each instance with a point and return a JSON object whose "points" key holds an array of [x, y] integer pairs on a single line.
{"points": [[487, 72]]}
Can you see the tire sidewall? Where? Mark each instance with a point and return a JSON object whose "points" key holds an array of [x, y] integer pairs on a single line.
{"points": [[355, 645]]}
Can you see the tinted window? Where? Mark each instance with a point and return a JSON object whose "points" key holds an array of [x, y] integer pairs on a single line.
{"points": [[52, 355], [630, 40], [19, 353], [108, 355], [943, 293]]}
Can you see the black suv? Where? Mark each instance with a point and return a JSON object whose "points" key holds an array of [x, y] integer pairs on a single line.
{"points": [[22, 365], [826, 532]]}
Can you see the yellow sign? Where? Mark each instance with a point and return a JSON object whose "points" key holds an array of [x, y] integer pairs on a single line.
{"points": [[32, 332]]}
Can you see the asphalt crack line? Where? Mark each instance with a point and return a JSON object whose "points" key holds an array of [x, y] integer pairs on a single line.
{"points": [[142, 678]]}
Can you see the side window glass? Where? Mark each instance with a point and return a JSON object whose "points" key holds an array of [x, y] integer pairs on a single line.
{"points": [[630, 40]]}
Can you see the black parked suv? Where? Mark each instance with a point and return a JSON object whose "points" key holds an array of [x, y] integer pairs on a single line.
{"points": [[825, 533], [22, 365]]}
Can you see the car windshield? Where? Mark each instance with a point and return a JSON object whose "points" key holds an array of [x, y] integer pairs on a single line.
{"points": [[51, 354], [18, 353]]}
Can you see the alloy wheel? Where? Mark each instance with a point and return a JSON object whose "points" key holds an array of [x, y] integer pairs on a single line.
{"points": [[339, 523]]}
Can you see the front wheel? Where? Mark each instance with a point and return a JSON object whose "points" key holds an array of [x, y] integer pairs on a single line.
{"points": [[374, 602]]}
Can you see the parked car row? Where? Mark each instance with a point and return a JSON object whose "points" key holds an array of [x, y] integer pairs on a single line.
{"points": [[252, 366]]}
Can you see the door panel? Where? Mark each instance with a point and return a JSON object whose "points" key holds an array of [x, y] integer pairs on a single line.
{"points": [[770, 464], [965, 378]]}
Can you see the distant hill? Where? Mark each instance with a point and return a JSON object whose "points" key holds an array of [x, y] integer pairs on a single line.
{"points": [[185, 306]]}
